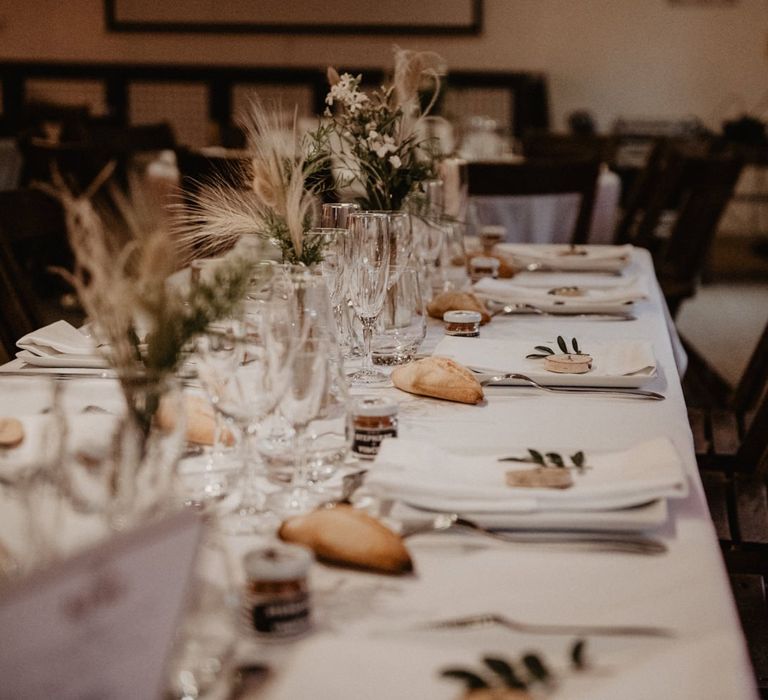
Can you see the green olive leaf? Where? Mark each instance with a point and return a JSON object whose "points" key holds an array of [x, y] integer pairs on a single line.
{"points": [[471, 680], [577, 654], [555, 459], [545, 349], [536, 667], [575, 344], [504, 671], [536, 456], [561, 344], [578, 459]]}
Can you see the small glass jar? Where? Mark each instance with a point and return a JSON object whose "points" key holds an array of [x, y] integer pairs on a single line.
{"points": [[490, 236], [465, 324], [276, 600], [373, 419], [484, 267]]}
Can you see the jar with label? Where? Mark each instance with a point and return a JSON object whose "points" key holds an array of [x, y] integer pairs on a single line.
{"points": [[482, 266], [373, 419], [276, 601], [465, 324], [490, 236]]}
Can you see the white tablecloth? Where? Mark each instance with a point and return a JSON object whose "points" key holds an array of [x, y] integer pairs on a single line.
{"points": [[362, 646], [550, 218]]}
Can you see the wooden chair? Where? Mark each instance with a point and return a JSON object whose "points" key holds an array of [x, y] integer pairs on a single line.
{"points": [[33, 238], [546, 144], [696, 187], [540, 177]]}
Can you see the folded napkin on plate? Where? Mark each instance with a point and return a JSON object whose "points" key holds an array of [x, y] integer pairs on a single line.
{"points": [[426, 476], [609, 258], [60, 345], [56, 338], [617, 358], [516, 293]]}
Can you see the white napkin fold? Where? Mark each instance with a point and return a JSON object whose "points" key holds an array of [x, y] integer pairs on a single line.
{"points": [[619, 358], [57, 338], [426, 476], [608, 258], [511, 292]]}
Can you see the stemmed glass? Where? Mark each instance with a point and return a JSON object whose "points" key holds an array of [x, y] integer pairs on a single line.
{"points": [[368, 263], [336, 215], [431, 231], [301, 404], [273, 331], [333, 267]]}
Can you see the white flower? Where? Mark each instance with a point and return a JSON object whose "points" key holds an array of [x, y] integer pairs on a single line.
{"points": [[395, 161]]}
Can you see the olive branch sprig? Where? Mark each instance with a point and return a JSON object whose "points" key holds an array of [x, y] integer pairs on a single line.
{"points": [[517, 674], [545, 351], [551, 459]]}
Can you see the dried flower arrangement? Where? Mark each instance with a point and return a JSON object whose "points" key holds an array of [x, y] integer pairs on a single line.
{"points": [[121, 278], [274, 198], [377, 139]]}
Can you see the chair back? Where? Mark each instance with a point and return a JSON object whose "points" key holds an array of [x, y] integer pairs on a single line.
{"points": [[540, 177], [33, 238], [754, 381]]}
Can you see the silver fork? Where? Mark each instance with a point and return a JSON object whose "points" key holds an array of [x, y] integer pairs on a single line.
{"points": [[522, 309], [624, 393], [491, 619], [588, 541]]}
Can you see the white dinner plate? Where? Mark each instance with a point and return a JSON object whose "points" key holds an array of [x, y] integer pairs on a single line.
{"points": [[636, 519], [490, 357], [63, 361]]}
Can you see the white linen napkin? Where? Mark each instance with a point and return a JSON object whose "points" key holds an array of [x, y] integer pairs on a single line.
{"points": [[57, 338], [426, 476], [619, 358], [60, 345], [511, 292], [609, 258]]}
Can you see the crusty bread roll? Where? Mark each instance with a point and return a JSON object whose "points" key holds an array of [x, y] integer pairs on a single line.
{"points": [[457, 301], [346, 535], [439, 377], [201, 423], [540, 478], [11, 432]]}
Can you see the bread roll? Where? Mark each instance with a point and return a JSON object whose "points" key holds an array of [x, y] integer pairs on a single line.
{"points": [[346, 535], [456, 301], [439, 377], [201, 423], [540, 478], [11, 432]]}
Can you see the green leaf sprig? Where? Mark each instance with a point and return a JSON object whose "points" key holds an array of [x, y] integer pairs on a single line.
{"points": [[529, 670], [545, 351], [551, 459]]}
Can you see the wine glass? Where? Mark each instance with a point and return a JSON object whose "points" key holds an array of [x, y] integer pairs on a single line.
{"points": [[272, 333], [335, 242], [336, 214], [368, 263], [301, 404], [206, 479]]}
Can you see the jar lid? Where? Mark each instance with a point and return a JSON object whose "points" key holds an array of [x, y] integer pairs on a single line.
{"points": [[493, 231], [277, 562], [462, 317], [482, 262], [375, 406]]}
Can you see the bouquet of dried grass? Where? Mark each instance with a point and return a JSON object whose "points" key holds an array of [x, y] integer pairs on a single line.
{"points": [[121, 278], [276, 197]]}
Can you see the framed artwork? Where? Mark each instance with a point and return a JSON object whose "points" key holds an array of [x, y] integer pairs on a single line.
{"points": [[296, 16]]}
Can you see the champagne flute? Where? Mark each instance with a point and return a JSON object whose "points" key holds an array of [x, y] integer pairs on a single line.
{"points": [[368, 263]]}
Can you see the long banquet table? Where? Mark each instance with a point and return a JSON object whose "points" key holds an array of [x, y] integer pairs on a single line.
{"points": [[365, 644]]}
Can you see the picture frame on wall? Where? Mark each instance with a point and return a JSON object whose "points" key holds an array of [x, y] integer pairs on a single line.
{"points": [[296, 17]]}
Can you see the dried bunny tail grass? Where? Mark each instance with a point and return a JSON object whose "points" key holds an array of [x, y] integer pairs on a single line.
{"points": [[411, 67], [215, 218]]}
